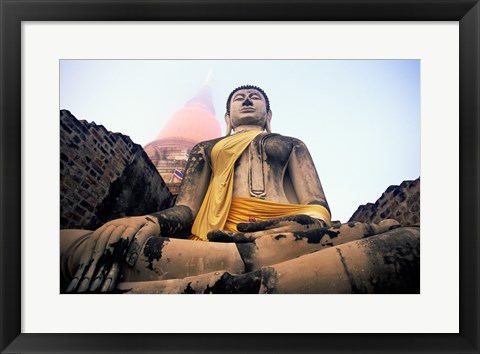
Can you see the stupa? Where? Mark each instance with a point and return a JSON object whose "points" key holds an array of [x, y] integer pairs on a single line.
{"points": [[192, 123]]}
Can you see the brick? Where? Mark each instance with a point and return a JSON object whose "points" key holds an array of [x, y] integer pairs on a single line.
{"points": [[91, 200], [110, 140], [67, 181], [97, 135], [84, 193], [65, 128], [80, 210], [90, 180], [77, 179], [72, 217], [64, 157], [74, 198], [97, 168], [88, 207]]}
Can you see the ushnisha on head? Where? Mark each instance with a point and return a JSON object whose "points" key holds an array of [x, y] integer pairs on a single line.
{"points": [[248, 107]]}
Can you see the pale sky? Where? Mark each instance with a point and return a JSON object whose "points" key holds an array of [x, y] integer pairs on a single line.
{"points": [[360, 119]]}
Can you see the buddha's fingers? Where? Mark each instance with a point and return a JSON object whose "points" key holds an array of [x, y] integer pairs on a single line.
{"points": [[102, 272], [85, 261], [279, 230], [113, 275], [220, 236], [103, 240], [230, 237], [110, 254], [385, 225], [249, 232], [300, 219], [130, 242]]}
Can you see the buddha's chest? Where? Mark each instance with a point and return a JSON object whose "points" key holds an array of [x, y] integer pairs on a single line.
{"points": [[260, 169]]}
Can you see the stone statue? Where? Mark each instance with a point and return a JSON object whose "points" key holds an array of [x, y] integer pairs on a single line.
{"points": [[257, 198]]}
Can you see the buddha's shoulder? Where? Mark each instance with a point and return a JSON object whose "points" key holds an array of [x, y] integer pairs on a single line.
{"points": [[269, 139], [206, 145], [283, 140]]}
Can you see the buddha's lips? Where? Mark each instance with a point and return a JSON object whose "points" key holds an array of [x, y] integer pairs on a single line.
{"points": [[247, 110]]}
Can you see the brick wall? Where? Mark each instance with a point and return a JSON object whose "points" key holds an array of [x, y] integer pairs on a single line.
{"points": [[401, 203], [104, 176]]}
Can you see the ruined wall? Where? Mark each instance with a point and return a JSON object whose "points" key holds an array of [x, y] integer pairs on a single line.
{"points": [[104, 176], [401, 203]]}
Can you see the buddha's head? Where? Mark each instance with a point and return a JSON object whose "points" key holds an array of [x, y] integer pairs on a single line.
{"points": [[248, 105]]}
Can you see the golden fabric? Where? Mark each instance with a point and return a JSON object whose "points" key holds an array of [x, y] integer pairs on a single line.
{"points": [[195, 238], [254, 209], [216, 204]]}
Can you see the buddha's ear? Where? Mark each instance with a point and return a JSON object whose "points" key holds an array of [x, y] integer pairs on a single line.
{"points": [[268, 126], [228, 121]]}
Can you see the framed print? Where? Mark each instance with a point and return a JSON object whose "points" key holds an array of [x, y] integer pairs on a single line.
{"points": [[89, 154], [41, 39]]}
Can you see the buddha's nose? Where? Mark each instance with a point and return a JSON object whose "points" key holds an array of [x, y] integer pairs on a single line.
{"points": [[247, 102]]}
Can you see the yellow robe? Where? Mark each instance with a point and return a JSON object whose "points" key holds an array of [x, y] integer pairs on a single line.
{"points": [[216, 204], [255, 209]]}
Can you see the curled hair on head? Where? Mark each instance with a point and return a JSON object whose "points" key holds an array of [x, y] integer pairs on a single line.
{"points": [[247, 87]]}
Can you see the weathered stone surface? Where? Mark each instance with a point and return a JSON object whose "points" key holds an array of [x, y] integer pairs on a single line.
{"points": [[104, 176], [401, 203], [388, 263]]}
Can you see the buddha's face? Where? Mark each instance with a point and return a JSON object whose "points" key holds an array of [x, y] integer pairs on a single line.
{"points": [[248, 107]]}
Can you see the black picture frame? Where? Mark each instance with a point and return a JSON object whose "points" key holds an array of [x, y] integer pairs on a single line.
{"points": [[13, 12]]}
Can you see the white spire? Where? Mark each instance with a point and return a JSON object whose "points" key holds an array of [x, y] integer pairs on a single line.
{"points": [[203, 98], [208, 81]]}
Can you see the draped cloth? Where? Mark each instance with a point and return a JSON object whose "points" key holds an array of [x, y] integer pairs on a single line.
{"points": [[216, 204]]}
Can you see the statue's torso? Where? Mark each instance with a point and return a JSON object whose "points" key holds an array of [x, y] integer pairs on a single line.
{"points": [[261, 171], [274, 167]]}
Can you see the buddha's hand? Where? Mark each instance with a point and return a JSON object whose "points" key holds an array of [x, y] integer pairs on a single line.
{"points": [[249, 232], [107, 250]]}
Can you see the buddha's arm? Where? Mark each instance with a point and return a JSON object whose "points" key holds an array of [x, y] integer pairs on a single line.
{"points": [[305, 180], [197, 178], [179, 219]]}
